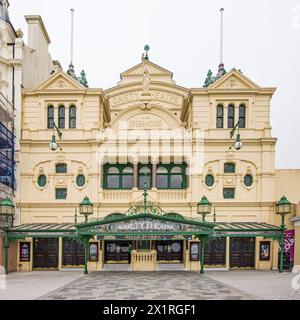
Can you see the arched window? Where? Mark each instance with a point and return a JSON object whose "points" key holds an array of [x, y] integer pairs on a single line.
{"points": [[145, 173], [119, 176], [50, 117], [171, 176], [220, 116], [176, 178], [242, 116], [162, 177], [61, 117], [72, 117], [230, 118], [127, 178], [229, 168], [112, 178], [60, 168]]}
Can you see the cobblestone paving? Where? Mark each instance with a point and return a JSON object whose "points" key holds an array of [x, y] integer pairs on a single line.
{"points": [[162, 285]]}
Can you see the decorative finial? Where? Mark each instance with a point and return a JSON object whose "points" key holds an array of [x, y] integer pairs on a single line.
{"points": [[71, 70], [145, 55]]}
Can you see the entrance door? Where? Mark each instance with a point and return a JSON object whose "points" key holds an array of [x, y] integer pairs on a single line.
{"points": [[215, 252], [116, 251], [45, 253], [73, 253], [170, 251], [242, 252]]}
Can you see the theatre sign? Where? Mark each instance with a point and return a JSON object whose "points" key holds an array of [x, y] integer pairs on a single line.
{"points": [[144, 227]]}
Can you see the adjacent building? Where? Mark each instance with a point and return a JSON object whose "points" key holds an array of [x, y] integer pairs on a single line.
{"points": [[21, 66]]}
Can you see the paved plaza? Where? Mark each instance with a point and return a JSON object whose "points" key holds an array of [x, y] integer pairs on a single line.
{"points": [[163, 285]]}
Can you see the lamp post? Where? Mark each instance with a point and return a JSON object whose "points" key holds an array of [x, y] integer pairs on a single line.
{"points": [[283, 207], [238, 143], [203, 208], [7, 211], [53, 144], [86, 209]]}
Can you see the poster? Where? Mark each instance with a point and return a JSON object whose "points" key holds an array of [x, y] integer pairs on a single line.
{"points": [[24, 251], [264, 250], [194, 251]]}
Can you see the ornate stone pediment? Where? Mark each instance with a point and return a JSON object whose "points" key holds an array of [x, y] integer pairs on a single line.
{"points": [[137, 72], [234, 80], [60, 81]]}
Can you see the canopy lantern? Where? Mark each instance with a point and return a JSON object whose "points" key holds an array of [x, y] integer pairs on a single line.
{"points": [[204, 207], [283, 206], [86, 208]]}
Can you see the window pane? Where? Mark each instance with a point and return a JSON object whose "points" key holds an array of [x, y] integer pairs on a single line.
{"points": [[248, 180], [127, 181], [61, 168], [209, 180], [162, 181], [127, 170], [42, 180], [72, 112], [229, 168], [72, 124], [113, 182], [228, 193], [176, 170], [162, 170], [220, 111], [61, 111], [242, 116], [80, 180], [60, 194], [50, 112], [176, 181], [113, 170], [230, 116]]}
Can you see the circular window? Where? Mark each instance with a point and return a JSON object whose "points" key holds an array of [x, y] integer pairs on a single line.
{"points": [[209, 180], [248, 180], [176, 247], [42, 180], [80, 180]]}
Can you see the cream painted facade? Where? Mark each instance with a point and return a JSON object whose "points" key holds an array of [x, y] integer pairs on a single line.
{"points": [[145, 101]]}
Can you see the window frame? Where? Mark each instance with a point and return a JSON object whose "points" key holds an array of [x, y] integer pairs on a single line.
{"points": [[60, 117], [231, 117], [50, 118], [232, 189], [61, 164], [242, 105], [169, 174], [229, 164], [72, 117], [120, 168], [61, 189], [220, 117]]}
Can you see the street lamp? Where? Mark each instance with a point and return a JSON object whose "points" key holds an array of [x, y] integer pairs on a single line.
{"points": [[204, 207], [7, 210], [53, 144], [283, 207], [86, 208], [238, 143]]}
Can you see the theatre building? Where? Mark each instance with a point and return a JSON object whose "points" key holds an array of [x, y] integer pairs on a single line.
{"points": [[147, 176]]}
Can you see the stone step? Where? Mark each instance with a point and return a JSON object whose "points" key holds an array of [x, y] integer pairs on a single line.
{"points": [[116, 267], [170, 267]]}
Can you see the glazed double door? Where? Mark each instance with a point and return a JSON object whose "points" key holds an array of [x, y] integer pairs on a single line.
{"points": [[215, 252], [169, 251], [45, 253], [117, 251], [242, 252], [73, 253]]}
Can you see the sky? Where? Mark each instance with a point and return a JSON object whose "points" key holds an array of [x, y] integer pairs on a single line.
{"points": [[261, 37]]}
